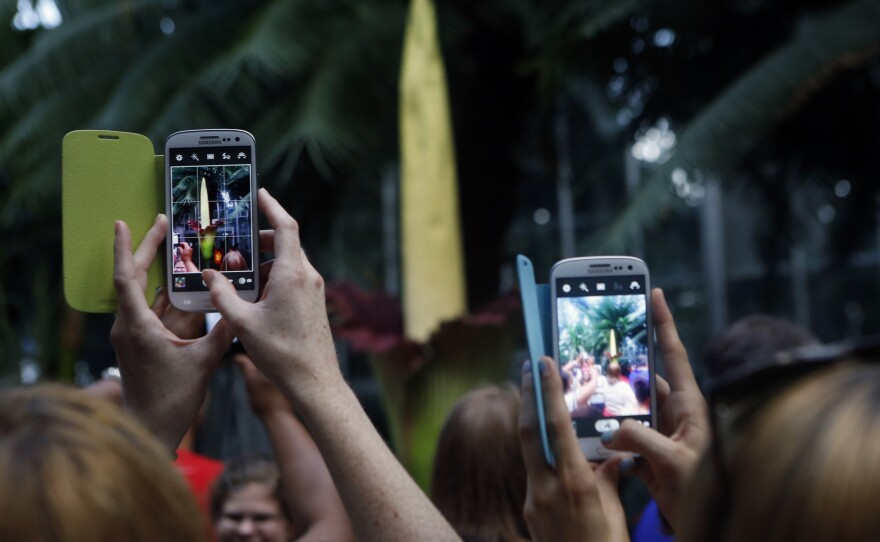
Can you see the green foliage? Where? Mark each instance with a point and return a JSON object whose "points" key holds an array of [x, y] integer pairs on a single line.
{"points": [[721, 135], [591, 335], [282, 69]]}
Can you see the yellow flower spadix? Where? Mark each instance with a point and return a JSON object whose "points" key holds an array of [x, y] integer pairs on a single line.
{"points": [[433, 267], [207, 239]]}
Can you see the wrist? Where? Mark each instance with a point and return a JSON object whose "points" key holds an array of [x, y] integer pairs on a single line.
{"points": [[307, 395]]}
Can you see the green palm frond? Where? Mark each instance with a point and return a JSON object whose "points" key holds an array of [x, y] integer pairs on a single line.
{"points": [[101, 38], [556, 32], [611, 314], [603, 15], [277, 43], [734, 123], [242, 207], [139, 93]]}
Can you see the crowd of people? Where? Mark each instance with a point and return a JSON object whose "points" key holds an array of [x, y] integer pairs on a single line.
{"points": [[783, 450], [595, 391]]}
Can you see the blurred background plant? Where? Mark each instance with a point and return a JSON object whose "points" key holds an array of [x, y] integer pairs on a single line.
{"points": [[732, 145]]}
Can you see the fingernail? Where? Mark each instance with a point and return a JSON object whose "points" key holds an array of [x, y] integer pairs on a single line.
{"points": [[527, 366], [627, 465], [606, 437]]}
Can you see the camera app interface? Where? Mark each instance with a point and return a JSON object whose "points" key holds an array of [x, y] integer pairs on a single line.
{"points": [[603, 351], [211, 206]]}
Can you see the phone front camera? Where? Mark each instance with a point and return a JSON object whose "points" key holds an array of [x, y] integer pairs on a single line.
{"points": [[629, 267], [237, 138]]}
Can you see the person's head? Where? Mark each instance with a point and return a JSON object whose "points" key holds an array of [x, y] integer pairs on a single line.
{"points": [[247, 502], [479, 477], [613, 371], [750, 338], [642, 389], [76, 468], [803, 468]]}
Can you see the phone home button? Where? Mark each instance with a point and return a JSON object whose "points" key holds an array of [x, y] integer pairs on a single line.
{"points": [[602, 451], [603, 426]]}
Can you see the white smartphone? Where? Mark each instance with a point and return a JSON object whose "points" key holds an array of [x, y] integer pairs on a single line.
{"points": [[211, 188], [603, 341]]}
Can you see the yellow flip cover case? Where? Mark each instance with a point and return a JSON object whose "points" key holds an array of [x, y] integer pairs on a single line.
{"points": [[106, 176]]}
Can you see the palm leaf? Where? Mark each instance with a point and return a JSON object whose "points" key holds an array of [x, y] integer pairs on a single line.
{"points": [[103, 37], [733, 124]]}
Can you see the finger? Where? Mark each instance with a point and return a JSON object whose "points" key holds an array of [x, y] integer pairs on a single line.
{"points": [[529, 430], [265, 271], [161, 302], [213, 345], [224, 297], [607, 480], [675, 358], [635, 437], [130, 295], [267, 240], [244, 364], [242, 360], [286, 241], [563, 440], [149, 245], [663, 390]]}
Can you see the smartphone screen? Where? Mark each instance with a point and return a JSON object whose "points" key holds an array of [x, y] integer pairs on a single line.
{"points": [[604, 342], [211, 204]]}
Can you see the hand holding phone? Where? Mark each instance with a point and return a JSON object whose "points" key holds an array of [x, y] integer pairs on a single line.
{"points": [[572, 501], [670, 455], [211, 185]]}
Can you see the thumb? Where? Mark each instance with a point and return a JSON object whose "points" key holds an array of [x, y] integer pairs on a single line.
{"points": [[650, 444], [225, 299]]}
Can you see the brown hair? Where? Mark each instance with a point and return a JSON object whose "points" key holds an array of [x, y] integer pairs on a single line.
{"points": [[804, 469], [242, 471], [479, 477], [74, 468]]}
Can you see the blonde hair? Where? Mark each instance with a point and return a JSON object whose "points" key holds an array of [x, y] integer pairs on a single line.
{"points": [[806, 468], [74, 468], [479, 476]]}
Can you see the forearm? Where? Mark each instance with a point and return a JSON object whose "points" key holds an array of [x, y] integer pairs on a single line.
{"points": [[382, 500], [314, 504]]}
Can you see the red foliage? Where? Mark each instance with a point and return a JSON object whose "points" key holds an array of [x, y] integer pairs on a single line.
{"points": [[373, 322]]}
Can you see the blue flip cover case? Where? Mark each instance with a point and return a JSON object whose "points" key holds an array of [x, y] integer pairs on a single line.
{"points": [[538, 321]]}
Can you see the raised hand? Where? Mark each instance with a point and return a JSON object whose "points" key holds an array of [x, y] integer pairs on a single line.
{"points": [[570, 502], [668, 456], [164, 377]]}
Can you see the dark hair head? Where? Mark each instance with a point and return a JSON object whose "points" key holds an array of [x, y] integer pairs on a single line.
{"points": [[751, 338]]}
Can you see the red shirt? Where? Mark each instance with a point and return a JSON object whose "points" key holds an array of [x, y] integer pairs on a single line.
{"points": [[200, 471]]}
